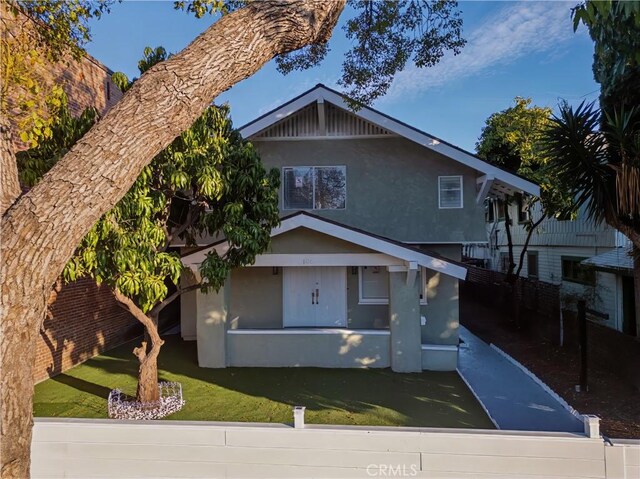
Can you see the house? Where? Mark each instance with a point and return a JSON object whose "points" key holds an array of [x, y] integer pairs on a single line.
{"points": [[587, 260], [364, 268]]}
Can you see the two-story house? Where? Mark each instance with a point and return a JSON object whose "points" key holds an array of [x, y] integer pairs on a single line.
{"points": [[364, 269], [589, 261]]}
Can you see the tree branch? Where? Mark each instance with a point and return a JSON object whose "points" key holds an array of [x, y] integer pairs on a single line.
{"points": [[169, 299], [526, 243], [127, 303]]}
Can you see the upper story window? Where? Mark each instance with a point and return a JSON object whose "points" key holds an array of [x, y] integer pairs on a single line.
{"points": [[524, 215], [449, 192], [489, 211], [314, 188]]}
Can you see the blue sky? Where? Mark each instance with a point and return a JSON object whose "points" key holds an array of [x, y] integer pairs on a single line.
{"points": [[514, 49]]}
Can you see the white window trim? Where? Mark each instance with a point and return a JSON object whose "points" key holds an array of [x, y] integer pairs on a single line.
{"points": [[313, 182], [384, 301], [440, 178]]}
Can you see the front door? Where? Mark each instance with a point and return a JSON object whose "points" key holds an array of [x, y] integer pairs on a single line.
{"points": [[314, 297]]}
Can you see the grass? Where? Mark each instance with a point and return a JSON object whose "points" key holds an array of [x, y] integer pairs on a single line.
{"points": [[331, 396]]}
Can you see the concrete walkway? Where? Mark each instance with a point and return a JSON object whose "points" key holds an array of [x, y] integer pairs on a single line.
{"points": [[513, 399]]}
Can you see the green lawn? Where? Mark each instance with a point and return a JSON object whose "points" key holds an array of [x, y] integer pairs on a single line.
{"points": [[332, 396]]}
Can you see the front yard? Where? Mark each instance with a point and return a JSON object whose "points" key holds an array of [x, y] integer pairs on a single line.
{"points": [[331, 396]]}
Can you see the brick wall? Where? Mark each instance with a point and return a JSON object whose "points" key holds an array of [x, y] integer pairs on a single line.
{"points": [[87, 82], [86, 320]]}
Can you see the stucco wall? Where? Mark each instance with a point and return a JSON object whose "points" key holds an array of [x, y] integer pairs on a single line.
{"points": [[442, 309], [256, 298], [330, 349], [392, 187], [102, 447], [304, 240]]}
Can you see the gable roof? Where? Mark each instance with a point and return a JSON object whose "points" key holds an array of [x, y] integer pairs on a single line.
{"points": [[374, 242], [495, 180]]}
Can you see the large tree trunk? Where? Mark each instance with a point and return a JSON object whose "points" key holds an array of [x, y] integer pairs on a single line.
{"points": [[9, 184], [41, 230]]}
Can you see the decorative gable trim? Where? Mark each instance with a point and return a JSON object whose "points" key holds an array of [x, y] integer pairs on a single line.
{"points": [[411, 257], [509, 183], [321, 120]]}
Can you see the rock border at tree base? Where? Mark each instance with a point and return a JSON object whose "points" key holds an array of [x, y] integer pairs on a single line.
{"points": [[123, 406]]}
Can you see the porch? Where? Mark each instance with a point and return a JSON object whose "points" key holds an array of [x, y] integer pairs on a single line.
{"points": [[327, 296]]}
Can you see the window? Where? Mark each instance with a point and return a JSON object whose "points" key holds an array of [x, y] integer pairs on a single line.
{"points": [[315, 188], [573, 271], [374, 285], [532, 264], [489, 211], [450, 192], [500, 207], [523, 210]]}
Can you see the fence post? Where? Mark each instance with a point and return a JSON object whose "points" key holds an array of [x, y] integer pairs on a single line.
{"points": [[582, 328]]}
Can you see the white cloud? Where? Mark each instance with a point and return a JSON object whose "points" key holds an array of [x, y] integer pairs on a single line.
{"points": [[516, 30]]}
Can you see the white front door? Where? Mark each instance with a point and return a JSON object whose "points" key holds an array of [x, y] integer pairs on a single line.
{"points": [[314, 297]]}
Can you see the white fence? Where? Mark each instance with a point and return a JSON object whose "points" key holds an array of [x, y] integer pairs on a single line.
{"points": [[108, 448]]}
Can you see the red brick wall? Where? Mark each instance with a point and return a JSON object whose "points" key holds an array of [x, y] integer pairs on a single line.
{"points": [[87, 82], [86, 320]]}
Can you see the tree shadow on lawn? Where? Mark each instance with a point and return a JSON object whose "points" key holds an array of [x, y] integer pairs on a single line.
{"points": [[339, 396]]}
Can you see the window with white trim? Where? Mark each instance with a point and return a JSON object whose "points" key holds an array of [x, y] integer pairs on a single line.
{"points": [[449, 192], [374, 285], [314, 188]]}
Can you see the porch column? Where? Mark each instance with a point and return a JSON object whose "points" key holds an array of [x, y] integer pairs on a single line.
{"points": [[404, 321], [211, 327]]}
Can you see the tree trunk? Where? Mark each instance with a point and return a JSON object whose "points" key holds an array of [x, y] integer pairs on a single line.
{"points": [[507, 228], [148, 357], [41, 230], [9, 184]]}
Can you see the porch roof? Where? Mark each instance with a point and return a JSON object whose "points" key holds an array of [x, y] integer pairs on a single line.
{"points": [[412, 257]]}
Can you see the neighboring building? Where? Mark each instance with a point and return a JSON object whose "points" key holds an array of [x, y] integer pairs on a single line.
{"points": [[86, 82], [559, 253], [364, 269]]}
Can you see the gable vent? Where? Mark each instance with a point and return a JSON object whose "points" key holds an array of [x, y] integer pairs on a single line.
{"points": [[306, 123]]}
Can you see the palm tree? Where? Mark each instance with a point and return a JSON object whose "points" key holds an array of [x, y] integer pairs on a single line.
{"points": [[597, 157]]}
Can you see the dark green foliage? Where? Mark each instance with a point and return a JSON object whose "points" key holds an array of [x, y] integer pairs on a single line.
{"points": [[121, 81], [614, 27], [66, 130], [590, 151], [208, 181], [151, 57]]}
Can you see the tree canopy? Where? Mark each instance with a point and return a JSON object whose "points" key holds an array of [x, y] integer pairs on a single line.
{"points": [[385, 34]]}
